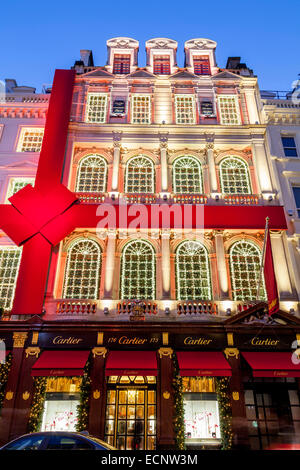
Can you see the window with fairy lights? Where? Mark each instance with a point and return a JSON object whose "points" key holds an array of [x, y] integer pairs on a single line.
{"points": [[30, 139], [15, 184], [91, 174], [229, 110], [234, 176], [141, 109], [192, 271], [96, 108], [83, 268], [10, 258], [185, 109], [138, 271], [187, 175], [245, 261], [139, 177]]}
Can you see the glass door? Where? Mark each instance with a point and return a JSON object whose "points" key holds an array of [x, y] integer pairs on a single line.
{"points": [[131, 414]]}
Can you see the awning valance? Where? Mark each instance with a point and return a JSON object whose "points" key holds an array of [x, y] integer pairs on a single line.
{"points": [[273, 364], [131, 363], [203, 363], [60, 363]]}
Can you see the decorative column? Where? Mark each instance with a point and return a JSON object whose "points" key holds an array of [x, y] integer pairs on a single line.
{"points": [[211, 163], [98, 390], [237, 398], [165, 392], [249, 93], [163, 144], [221, 264], [166, 263], [285, 290], [262, 167], [25, 390], [117, 137], [9, 402], [110, 263]]}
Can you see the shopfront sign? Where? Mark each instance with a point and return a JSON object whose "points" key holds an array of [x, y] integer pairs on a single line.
{"points": [[194, 341], [264, 342], [132, 340], [67, 340]]}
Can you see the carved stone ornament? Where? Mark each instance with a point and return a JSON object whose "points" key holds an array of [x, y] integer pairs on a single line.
{"points": [[32, 351], [19, 339], [96, 394], [231, 352], [99, 352], [25, 395], [166, 395], [235, 396], [9, 395], [165, 352]]}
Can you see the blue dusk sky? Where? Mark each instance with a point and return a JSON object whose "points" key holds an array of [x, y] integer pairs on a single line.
{"points": [[37, 36]]}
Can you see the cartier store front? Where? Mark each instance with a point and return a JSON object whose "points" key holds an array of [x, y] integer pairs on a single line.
{"points": [[227, 385]]}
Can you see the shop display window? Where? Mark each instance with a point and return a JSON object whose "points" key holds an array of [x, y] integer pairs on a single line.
{"points": [[60, 408]]}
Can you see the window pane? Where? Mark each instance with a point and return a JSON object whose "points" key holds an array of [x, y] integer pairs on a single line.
{"points": [[187, 175], [96, 108], [10, 258], [139, 175], [234, 176], [229, 110], [185, 109], [30, 139], [141, 109], [91, 174]]}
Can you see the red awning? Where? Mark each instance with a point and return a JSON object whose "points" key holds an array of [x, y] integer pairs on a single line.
{"points": [[131, 363], [273, 364], [212, 364], [60, 363]]}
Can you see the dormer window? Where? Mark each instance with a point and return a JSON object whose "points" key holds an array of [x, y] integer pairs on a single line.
{"points": [[121, 64], [161, 64], [201, 65]]}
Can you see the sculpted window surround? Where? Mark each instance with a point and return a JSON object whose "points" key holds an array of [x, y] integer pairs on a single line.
{"points": [[139, 176], [187, 175], [138, 271], [245, 261], [185, 109], [91, 174], [10, 257], [234, 176], [141, 109], [30, 139], [96, 107], [193, 280], [82, 272]]}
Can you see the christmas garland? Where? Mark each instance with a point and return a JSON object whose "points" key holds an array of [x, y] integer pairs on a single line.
{"points": [[178, 407], [37, 407], [84, 404], [4, 371], [222, 386]]}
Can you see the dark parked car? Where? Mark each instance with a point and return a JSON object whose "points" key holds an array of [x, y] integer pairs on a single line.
{"points": [[57, 441]]}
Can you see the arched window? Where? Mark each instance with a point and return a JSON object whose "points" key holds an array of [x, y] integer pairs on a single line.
{"points": [[234, 176], [83, 267], [138, 271], [245, 260], [10, 258], [91, 175], [139, 175], [187, 175], [192, 272]]}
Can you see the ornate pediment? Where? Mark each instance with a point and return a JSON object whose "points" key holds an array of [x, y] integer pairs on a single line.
{"points": [[183, 75], [98, 73], [200, 43], [22, 164], [226, 76], [141, 74], [259, 315]]}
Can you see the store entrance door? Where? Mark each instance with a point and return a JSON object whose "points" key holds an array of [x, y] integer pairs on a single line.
{"points": [[131, 413]]}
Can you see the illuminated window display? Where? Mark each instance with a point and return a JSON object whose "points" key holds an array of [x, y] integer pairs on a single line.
{"points": [[60, 408], [201, 411]]}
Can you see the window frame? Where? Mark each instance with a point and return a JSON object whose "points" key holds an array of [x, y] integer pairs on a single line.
{"points": [[87, 109], [8, 302], [287, 148], [21, 137], [162, 58], [78, 173], [15, 180], [221, 177], [136, 157], [133, 98], [294, 186], [200, 175], [221, 97], [185, 96]]}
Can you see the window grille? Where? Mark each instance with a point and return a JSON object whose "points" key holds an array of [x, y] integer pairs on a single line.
{"points": [[187, 175], [30, 139], [234, 176], [141, 109], [229, 110], [96, 108], [139, 175], [10, 258], [91, 174], [185, 109]]}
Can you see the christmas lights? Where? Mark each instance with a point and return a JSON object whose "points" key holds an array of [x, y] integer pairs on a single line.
{"points": [[16, 184], [84, 405], [37, 407], [139, 175], [4, 371], [192, 272], [229, 109], [10, 257], [141, 109], [179, 428], [245, 259], [91, 174], [30, 139], [96, 108], [222, 389], [187, 175], [185, 109], [234, 176]]}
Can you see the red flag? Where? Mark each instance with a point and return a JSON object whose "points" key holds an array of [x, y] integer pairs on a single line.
{"points": [[270, 279]]}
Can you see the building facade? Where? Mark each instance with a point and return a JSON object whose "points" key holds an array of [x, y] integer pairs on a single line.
{"points": [[136, 289]]}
